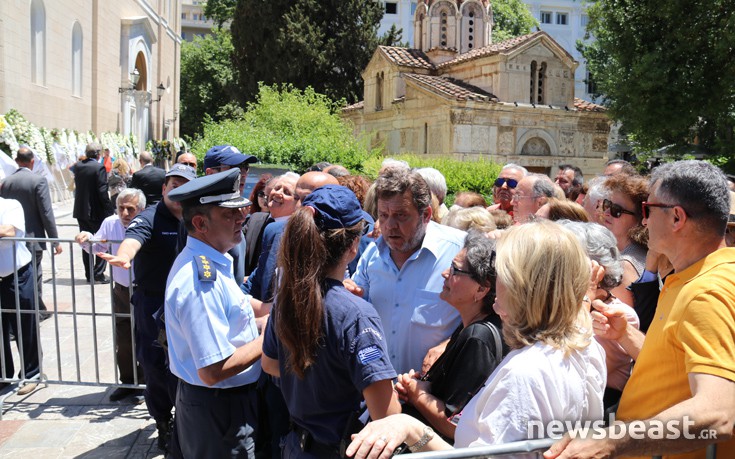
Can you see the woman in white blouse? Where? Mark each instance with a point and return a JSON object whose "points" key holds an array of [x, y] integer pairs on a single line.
{"points": [[555, 371]]}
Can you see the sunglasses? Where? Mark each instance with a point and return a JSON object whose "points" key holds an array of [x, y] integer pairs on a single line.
{"points": [[646, 207], [509, 181], [453, 271], [615, 210]]}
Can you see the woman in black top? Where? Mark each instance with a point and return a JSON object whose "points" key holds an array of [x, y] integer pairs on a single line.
{"points": [[473, 351]]}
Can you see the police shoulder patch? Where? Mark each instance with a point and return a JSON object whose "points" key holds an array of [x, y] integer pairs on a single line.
{"points": [[368, 354], [206, 271]]}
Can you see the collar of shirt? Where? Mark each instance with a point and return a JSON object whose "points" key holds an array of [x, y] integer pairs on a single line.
{"points": [[701, 267], [431, 242], [280, 219], [202, 248]]}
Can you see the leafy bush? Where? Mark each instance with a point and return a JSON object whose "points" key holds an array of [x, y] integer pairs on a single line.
{"points": [[290, 127], [477, 176]]}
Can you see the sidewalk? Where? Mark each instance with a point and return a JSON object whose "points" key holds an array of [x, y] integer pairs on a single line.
{"points": [[64, 421]]}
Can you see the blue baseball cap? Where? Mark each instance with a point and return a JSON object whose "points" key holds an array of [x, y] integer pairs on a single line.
{"points": [[221, 189], [335, 207], [183, 171], [226, 155]]}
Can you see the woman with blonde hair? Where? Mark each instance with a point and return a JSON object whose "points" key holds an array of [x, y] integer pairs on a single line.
{"points": [[555, 371], [470, 218]]}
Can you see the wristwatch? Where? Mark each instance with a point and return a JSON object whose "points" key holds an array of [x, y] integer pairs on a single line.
{"points": [[426, 438]]}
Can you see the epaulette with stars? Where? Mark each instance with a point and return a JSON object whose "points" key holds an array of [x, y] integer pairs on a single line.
{"points": [[205, 270]]}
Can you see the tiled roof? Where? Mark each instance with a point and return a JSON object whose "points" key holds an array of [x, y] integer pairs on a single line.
{"points": [[356, 106], [587, 106], [407, 57], [449, 87], [492, 49]]}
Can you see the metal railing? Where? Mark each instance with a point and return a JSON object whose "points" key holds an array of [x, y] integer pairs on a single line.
{"points": [[77, 343]]}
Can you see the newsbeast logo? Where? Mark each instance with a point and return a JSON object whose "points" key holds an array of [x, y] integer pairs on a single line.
{"points": [[637, 430]]}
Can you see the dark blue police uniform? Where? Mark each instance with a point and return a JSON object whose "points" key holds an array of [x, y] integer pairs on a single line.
{"points": [[352, 356], [156, 229]]}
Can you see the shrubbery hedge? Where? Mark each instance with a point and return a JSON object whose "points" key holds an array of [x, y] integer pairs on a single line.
{"points": [[475, 176]]}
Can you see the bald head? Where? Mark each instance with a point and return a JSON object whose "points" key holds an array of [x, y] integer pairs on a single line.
{"points": [[24, 157], [310, 181], [145, 158]]}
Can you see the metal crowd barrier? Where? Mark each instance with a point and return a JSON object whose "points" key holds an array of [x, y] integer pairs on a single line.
{"points": [[104, 365], [77, 343]]}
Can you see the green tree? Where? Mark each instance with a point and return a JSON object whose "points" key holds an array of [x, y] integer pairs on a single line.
{"points": [[290, 127], [324, 44], [666, 69], [220, 11], [512, 19], [208, 80]]}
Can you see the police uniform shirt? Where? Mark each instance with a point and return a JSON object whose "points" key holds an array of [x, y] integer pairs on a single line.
{"points": [[352, 356], [157, 230], [207, 315]]}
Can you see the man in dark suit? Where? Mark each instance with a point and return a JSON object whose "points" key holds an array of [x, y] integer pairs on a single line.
{"points": [[31, 190], [149, 179], [92, 204]]}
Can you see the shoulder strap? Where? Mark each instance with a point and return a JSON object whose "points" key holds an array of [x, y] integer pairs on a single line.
{"points": [[498, 342]]}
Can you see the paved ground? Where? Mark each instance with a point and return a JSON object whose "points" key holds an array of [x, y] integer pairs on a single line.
{"points": [[75, 420]]}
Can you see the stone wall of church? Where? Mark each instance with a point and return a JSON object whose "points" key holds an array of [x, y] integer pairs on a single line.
{"points": [[52, 101]]}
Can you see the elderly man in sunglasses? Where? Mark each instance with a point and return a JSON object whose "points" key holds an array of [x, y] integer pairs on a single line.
{"points": [[505, 187]]}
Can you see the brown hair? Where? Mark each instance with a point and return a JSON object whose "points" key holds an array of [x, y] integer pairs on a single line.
{"points": [[473, 199], [358, 184], [260, 186], [635, 188], [563, 209], [305, 256]]}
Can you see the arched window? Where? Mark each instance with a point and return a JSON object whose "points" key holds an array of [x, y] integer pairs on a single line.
{"points": [[538, 77], [540, 96], [38, 42], [76, 60], [531, 97], [379, 92]]}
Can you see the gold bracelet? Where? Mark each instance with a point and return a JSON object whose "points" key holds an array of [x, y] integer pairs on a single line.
{"points": [[426, 438]]}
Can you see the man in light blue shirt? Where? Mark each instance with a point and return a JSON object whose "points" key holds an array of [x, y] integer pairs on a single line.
{"points": [[401, 273], [213, 342]]}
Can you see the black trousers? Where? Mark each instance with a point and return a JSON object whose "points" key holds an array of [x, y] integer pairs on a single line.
{"points": [[126, 361], [216, 423], [99, 264], [25, 329]]}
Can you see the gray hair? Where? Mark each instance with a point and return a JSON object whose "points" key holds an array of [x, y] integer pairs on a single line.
{"points": [[481, 264], [436, 181], [596, 188], [601, 246], [700, 188], [542, 186], [470, 218], [395, 182], [93, 150], [390, 163], [131, 193], [523, 170]]}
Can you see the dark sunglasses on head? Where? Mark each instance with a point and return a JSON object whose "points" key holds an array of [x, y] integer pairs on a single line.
{"points": [[501, 180], [615, 210]]}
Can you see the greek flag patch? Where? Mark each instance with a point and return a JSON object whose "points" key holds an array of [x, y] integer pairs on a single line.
{"points": [[369, 354]]}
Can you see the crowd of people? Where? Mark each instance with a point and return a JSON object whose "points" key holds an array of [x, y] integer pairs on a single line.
{"points": [[325, 315]]}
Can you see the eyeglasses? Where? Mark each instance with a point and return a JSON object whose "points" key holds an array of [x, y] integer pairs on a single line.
{"points": [[646, 211], [518, 197], [615, 210], [453, 270], [502, 180]]}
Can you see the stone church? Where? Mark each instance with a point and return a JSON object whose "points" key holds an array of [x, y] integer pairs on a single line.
{"points": [[457, 93]]}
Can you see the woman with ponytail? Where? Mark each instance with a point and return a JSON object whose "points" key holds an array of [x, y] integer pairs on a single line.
{"points": [[326, 344]]}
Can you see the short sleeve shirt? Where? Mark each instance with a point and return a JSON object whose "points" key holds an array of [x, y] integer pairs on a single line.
{"points": [[352, 357], [11, 213], [207, 315], [157, 230]]}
